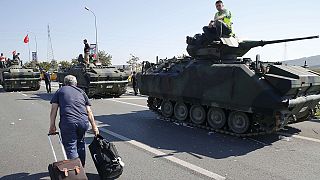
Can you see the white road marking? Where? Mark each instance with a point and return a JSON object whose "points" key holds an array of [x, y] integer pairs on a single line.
{"points": [[23, 94], [280, 133], [170, 158], [299, 137], [130, 98], [132, 104]]}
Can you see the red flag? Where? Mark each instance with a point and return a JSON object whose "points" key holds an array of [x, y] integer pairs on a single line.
{"points": [[26, 39]]}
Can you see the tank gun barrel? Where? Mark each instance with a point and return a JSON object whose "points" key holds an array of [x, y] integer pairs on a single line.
{"points": [[245, 46], [288, 40], [252, 44]]}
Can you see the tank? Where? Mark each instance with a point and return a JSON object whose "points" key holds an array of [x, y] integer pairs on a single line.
{"points": [[96, 80], [216, 88], [15, 77]]}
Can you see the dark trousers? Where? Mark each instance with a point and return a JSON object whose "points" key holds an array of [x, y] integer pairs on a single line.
{"points": [[135, 89], [2, 64], [48, 86], [214, 33], [72, 135]]}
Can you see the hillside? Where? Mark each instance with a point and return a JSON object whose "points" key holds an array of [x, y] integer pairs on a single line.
{"points": [[312, 61]]}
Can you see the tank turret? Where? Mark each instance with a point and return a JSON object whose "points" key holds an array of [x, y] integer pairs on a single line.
{"points": [[229, 48]]}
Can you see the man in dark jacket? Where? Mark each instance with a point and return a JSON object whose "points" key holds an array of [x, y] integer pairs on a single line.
{"points": [[134, 83], [75, 112], [47, 80]]}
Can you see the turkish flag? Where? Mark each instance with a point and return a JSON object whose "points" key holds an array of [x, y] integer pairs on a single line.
{"points": [[26, 39]]}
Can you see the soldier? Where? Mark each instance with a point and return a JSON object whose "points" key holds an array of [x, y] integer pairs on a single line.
{"points": [[221, 25], [80, 58], [47, 80], [3, 60], [134, 83], [86, 51]]}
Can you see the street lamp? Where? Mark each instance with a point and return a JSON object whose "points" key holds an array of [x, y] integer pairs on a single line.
{"points": [[95, 23]]}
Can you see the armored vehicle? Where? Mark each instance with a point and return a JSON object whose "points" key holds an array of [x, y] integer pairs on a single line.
{"points": [[96, 80], [217, 89], [15, 77]]}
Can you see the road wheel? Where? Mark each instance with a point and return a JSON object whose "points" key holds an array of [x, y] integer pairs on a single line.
{"points": [[197, 114], [181, 111], [166, 108], [154, 103], [238, 122], [216, 118], [6, 89], [36, 88]]}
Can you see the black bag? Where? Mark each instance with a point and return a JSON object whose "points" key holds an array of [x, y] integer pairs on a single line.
{"points": [[106, 159], [65, 169]]}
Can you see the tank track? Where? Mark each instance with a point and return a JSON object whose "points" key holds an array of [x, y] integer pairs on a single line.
{"points": [[206, 127]]}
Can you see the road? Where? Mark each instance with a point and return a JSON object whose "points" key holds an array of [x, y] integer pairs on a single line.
{"points": [[152, 148]]}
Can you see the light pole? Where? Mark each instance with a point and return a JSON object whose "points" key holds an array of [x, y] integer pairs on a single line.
{"points": [[95, 23], [35, 38]]}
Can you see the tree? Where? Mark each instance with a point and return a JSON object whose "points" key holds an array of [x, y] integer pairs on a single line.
{"points": [[104, 58], [74, 61], [133, 62], [54, 64], [64, 64], [45, 65], [31, 64], [182, 56]]}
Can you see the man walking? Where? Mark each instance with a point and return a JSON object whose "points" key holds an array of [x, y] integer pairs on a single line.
{"points": [[47, 80], [134, 83], [75, 112]]}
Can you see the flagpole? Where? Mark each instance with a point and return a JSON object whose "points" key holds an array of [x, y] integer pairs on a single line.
{"points": [[29, 51]]}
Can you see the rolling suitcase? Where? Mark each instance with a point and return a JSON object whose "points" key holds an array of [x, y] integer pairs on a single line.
{"points": [[106, 158], [65, 169]]}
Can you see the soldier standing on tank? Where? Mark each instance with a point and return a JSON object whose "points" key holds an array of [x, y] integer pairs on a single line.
{"points": [[221, 25], [3, 60], [134, 83], [86, 51]]}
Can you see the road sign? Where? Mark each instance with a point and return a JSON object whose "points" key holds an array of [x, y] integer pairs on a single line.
{"points": [[34, 56]]}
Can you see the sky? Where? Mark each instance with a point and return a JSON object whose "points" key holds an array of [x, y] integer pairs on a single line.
{"points": [[149, 28]]}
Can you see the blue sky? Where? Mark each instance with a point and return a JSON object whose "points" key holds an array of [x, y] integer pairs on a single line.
{"points": [[147, 28]]}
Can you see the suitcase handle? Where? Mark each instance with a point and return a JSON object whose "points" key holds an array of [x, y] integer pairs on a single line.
{"points": [[52, 134], [60, 142]]}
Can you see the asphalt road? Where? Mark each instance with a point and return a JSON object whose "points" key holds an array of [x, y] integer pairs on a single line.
{"points": [[151, 148]]}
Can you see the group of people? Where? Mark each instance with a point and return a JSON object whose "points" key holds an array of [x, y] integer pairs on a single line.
{"points": [[4, 61], [75, 107]]}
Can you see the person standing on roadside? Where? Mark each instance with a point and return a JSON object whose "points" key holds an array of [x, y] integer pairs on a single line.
{"points": [[134, 83], [47, 80]]}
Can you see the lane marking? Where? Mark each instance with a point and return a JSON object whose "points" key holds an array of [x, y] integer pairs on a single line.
{"points": [[132, 104], [162, 154], [24, 94], [299, 137], [130, 98], [280, 133]]}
